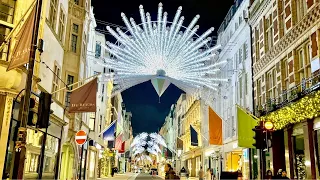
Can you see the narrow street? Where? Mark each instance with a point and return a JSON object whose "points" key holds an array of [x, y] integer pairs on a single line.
{"points": [[133, 176]]}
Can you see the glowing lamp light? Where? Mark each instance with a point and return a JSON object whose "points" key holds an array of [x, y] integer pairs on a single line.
{"points": [[268, 125]]}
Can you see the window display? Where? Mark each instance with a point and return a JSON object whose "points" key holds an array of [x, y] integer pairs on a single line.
{"points": [[300, 167]]}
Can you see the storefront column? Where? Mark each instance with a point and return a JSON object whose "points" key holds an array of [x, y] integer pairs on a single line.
{"points": [[289, 151], [278, 151], [309, 149], [6, 101]]}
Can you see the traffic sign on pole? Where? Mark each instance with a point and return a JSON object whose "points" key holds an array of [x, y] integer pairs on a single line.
{"points": [[81, 137]]}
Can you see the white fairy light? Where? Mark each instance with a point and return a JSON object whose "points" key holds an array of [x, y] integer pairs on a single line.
{"points": [[160, 44], [140, 141]]}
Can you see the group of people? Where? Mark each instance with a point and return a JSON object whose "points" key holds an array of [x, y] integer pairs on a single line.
{"points": [[170, 174], [282, 174]]}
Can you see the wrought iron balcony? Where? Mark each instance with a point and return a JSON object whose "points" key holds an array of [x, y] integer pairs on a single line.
{"points": [[291, 95]]}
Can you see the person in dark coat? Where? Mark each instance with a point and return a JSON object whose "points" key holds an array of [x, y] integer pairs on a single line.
{"points": [[170, 174], [284, 174]]}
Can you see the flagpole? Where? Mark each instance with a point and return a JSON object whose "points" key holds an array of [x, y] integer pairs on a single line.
{"points": [[247, 112], [20, 149], [70, 85]]}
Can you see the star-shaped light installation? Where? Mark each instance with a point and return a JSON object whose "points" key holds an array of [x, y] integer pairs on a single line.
{"points": [[164, 52], [139, 143]]}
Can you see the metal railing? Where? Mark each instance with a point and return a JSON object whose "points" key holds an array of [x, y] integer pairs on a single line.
{"points": [[302, 89]]}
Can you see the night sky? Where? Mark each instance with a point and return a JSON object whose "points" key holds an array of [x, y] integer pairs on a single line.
{"points": [[142, 100]]}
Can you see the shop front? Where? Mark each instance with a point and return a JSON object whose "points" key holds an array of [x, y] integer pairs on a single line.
{"points": [[43, 150], [212, 158], [236, 159], [302, 149], [92, 162], [192, 160]]}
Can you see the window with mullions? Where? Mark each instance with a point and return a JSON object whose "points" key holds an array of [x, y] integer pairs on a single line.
{"points": [[61, 28], [7, 10], [74, 39], [70, 80], [53, 11], [98, 49], [55, 82]]}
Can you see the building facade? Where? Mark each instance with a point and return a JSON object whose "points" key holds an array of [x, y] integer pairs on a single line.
{"points": [[285, 44], [234, 36]]}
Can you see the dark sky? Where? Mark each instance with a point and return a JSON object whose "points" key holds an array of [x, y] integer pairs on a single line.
{"points": [[142, 100]]}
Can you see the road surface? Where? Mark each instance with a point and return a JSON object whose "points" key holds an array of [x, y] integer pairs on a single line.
{"points": [[144, 176]]}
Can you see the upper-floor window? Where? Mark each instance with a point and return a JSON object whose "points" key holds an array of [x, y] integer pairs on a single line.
{"points": [[76, 2], [53, 11], [75, 28], [301, 9], [62, 20], [70, 80], [98, 49], [74, 37], [55, 82], [7, 10]]}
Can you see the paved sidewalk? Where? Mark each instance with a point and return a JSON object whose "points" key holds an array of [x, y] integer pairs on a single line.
{"points": [[125, 176]]}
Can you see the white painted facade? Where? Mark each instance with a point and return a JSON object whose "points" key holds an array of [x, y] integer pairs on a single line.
{"points": [[236, 50], [95, 55]]}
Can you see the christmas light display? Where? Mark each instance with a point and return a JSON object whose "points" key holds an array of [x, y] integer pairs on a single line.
{"points": [[307, 107], [165, 51], [138, 146]]}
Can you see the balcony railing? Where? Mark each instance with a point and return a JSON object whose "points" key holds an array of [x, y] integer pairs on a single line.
{"points": [[288, 96]]}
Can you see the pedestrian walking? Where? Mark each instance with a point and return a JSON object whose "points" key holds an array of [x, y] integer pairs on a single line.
{"points": [[201, 174], [208, 174], [170, 174], [187, 173]]}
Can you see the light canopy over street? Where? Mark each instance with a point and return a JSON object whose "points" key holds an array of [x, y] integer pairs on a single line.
{"points": [[93, 89], [164, 50]]}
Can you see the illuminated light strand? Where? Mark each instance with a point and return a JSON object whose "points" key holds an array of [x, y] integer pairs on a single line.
{"points": [[163, 45]]}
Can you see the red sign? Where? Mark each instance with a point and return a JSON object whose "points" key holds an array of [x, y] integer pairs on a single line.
{"points": [[81, 137]]}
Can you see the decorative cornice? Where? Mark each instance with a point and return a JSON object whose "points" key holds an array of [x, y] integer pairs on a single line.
{"points": [[55, 119], [298, 31], [8, 92], [256, 12]]}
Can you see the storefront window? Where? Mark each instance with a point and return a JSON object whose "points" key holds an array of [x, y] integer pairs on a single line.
{"points": [[32, 162], [317, 147], [51, 152], [233, 162], [245, 164], [92, 164], [254, 157], [300, 167], [34, 142]]}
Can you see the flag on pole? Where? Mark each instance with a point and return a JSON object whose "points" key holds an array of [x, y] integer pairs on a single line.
{"points": [[194, 136], [21, 51], [246, 122], [83, 99], [179, 143], [215, 128], [119, 144], [119, 123], [108, 133]]}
